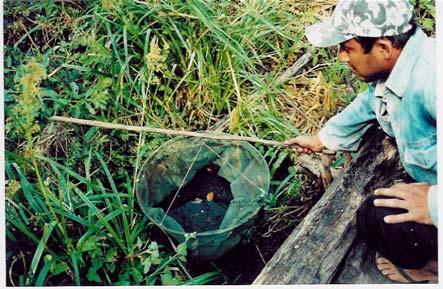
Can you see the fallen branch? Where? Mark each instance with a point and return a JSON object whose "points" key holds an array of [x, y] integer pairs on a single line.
{"points": [[291, 71]]}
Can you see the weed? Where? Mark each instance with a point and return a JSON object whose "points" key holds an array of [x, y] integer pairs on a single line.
{"points": [[71, 215]]}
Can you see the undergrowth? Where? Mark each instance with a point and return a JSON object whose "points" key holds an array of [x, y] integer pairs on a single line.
{"points": [[71, 213]]}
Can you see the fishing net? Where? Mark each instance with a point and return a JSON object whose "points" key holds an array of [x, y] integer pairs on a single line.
{"points": [[203, 191]]}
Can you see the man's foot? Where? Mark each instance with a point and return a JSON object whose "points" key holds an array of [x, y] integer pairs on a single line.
{"points": [[391, 271]]}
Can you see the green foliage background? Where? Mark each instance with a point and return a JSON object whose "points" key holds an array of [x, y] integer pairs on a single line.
{"points": [[71, 214]]}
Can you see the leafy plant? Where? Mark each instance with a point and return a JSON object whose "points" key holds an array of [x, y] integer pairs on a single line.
{"points": [[71, 214], [110, 244], [425, 14]]}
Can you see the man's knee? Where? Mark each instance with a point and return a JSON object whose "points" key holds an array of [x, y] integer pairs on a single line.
{"points": [[368, 218], [409, 244]]}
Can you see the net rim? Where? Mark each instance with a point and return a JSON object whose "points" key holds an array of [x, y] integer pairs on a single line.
{"points": [[204, 233]]}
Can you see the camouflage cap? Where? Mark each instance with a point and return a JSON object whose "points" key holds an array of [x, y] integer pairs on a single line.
{"points": [[367, 18]]}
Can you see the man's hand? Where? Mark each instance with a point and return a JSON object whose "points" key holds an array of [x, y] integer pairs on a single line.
{"points": [[306, 144], [412, 197]]}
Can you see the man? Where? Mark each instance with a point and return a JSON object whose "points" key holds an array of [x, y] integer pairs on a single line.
{"points": [[383, 46]]}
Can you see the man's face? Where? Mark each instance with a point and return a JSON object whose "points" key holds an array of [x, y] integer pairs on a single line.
{"points": [[365, 66]]}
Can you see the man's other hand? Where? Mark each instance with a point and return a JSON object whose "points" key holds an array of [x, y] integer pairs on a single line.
{"points": [[412, 197], [306, 144]]}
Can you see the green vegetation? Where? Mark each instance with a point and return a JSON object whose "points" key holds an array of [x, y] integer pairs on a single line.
{"points": [[71, 214]]}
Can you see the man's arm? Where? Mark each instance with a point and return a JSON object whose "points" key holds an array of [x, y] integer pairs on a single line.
{"points": [[344, 130]]}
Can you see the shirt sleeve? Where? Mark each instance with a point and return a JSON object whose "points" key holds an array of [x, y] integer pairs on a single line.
{"points": [[345, 130], [429, 96], [433, 204], [429, 102]]}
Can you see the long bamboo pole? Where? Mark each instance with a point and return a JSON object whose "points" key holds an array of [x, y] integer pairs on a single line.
{"points": [[107, 125]]}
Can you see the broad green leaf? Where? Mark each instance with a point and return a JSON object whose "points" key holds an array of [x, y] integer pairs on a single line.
{"points": [[59, 268], [89, 244], [181, 249], [168, 279], [92, 272], [146, 265], [136, 274], [111, 255]]}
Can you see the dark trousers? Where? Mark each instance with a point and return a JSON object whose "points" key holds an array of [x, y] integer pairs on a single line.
{"points": [[409, 245]]}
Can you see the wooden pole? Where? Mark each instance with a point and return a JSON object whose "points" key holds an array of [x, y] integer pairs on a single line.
{"points": [[216, 136]]}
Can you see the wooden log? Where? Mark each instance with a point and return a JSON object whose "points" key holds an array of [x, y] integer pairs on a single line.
{"points": [[359, 267], [316, 247]]}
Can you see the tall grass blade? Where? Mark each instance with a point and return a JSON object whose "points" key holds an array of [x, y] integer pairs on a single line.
{"points": [[200, 8], [47, 230], [203, 279], [41, 278], [119, 202]]}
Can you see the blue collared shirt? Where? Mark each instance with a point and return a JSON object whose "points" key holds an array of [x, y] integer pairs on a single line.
{"points": [[405, 107]]}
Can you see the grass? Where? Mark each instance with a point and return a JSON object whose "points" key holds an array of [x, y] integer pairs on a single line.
{"points": [[71, 215], [108, 230]]}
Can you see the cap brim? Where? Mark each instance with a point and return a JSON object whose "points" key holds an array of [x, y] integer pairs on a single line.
{"points": [[324, 34]]}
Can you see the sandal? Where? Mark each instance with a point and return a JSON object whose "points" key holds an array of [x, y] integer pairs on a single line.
{"points": [[400, 271]]}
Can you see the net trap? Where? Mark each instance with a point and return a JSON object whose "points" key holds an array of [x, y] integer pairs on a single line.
{"points": [[204, 191]]}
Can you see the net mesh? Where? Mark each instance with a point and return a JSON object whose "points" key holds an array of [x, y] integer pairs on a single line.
{"points": [[213, 218]]}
